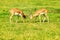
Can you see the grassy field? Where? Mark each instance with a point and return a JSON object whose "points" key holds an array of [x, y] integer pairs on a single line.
{"points": [[30, 30]]}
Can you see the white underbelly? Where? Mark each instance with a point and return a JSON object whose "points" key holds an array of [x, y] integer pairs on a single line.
{"points": [[17, 13], [41, 13]]}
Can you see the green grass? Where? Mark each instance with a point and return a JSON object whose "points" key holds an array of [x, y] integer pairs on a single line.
{"points": [[30, 30]]}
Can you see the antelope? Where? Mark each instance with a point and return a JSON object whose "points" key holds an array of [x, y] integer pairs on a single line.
{"points": [[17, 12], [40, 12]]}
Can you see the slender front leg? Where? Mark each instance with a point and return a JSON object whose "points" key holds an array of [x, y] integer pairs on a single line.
{"points": [[17, 18], [40, 18], [22, 18], [47, 18], [44, 19], [11, 18]]}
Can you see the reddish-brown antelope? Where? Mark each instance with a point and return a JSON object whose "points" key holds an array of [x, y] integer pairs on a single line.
{"points": [[16, 11], [40, 12]]}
